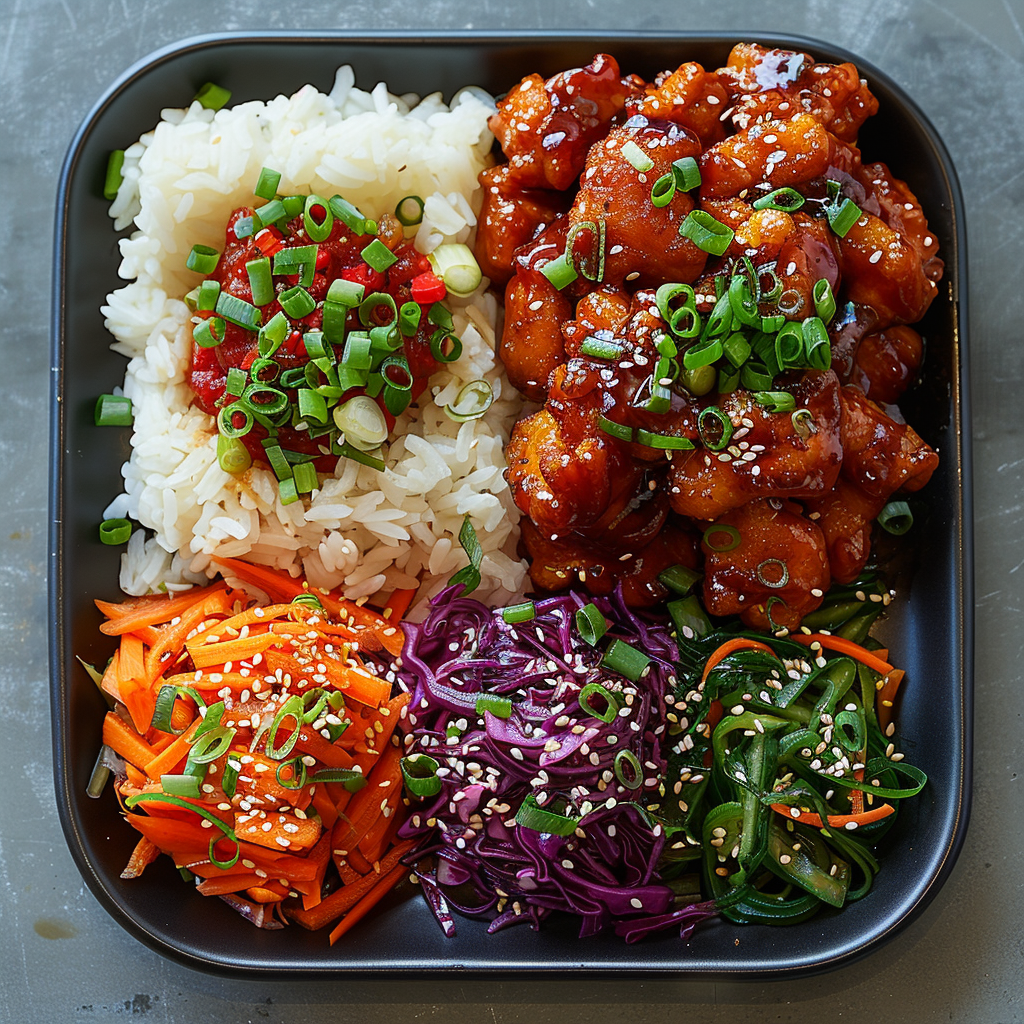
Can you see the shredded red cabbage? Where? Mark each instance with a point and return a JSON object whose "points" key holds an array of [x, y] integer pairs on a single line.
{"points": [[605, 871]]}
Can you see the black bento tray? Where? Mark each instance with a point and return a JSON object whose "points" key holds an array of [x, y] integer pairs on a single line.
{"points": [[929, 627]]}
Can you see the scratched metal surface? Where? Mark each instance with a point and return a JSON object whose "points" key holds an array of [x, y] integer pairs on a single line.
{"points": [[63, 959]]}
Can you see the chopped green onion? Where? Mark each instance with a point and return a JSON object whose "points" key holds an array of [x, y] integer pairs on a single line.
{"points": [[789, 344], [896, 518], [265, 398], [559, 272], [272, 212], [115, 531], [317, 230], [636, 157], [202, 259], [163, 708], [708, 234], [817, 344], [519, 612], [628, 770], [239, 312], [115, 163], [260, 280], [346, 293], [209, 292], [209, 333], [597, 348], [619, 430], [843, 216], [721, 547], [113, 411], [688, 617], [679, 579], [457, 267], [311, 405], [625, 660], [824, 300], [804, 423], [266, 184], [212, 97], [180, 785], [663, 190], [292, 708], [346, 451], [715, 428], [775, 401], [245, 227], [702, 354], [755, 377], [590, 624], [687, 173], [537, 819], [297, 260], [333, 322], [362, 423], [228, 423], [420, 774], [469, 575], [786, 199], [700, 381], [472, 401], [304, 475], [773, 572], [438, 342], [378, 256], [272, 334], [344, 211], [373, 302], [232, 455], [500, 707], [409, 211], [297, 302], [587, 268], [664, 442]]}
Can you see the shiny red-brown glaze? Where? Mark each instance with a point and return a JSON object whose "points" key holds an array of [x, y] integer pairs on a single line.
{"points": [[690, 96]]}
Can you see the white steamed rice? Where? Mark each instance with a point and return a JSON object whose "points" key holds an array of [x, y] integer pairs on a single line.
{"points": [[363, 531]]}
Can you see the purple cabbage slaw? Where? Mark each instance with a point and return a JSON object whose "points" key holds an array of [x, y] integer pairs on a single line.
{"points": [[605, 872]]}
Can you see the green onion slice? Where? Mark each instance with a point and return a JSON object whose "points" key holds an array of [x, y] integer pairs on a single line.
{"points": [[292, 708], [598, 348], [272, 212], [235, 420], [344, 211], [297, 302], [592, 266], [773, 572], [625, 660], [824, 300], [209, 292], [457, 267], [202, 259], [409, 211], [530, 815], [636, 157], [715, 428], [114, 177], [445, 347], [318, 225], [209, 333], [663, 190], [115, 531], [472, 401], [267, 183], [617, 430], [842, 216], [687, 173], [346, 293], [239, 312], [628, 770], [113, 411], [896, 518], [590, 624], [688, 617], [559, 272], [817, 344], [519, 612], [500, 707], [663, 442], [679, 579], [166, 697], [786, 199], [232, 455], [719, 546], [708, 234], [260, 280], [378, 256], [180, 785], [775, 401], [212, 96], [420, 774]]}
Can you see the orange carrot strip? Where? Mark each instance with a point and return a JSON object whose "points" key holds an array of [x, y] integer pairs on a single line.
{"points": [[836, 820], [358, 685], [122, 739], [366, 805], [145, 852], [886, 697], [321, 856], [375, 842], [267, 892], [286, 831], [324, 805], [368, 902], [205, 655], [398, 604], [255, 616], [843, 646], [312, 743], [166, 760], [135, 776], [740, 643], [111, 675], [172, 636], [221, 884], [357, 862], [149, 611], [333, 906]]}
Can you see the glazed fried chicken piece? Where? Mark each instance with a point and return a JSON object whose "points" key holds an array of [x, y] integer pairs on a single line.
{"points": [[769, 454], [887, 363], [510, 217], [689, 96], [576, 560], [766, 549], [545, 128], [641, 241], [846, 516], [765, 83]]}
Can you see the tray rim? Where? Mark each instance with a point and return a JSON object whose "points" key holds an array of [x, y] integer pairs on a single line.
{"points": [[959, 435]]}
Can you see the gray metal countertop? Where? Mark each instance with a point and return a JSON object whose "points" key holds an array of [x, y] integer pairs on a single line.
{"points": [[63, 959]]}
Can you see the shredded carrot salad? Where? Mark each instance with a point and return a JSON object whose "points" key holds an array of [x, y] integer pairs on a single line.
{"points": [[257, 746]]}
